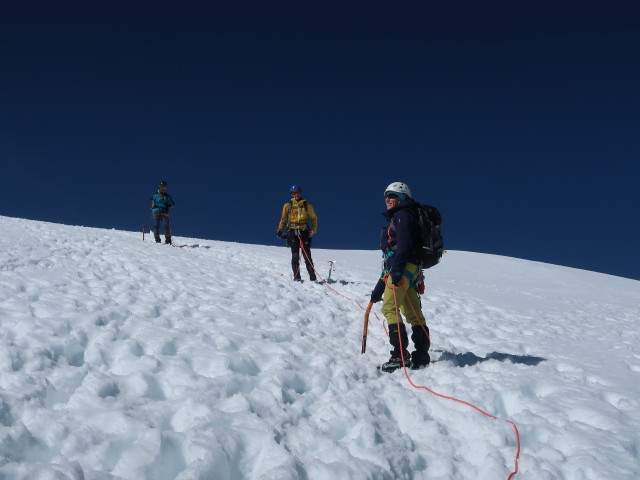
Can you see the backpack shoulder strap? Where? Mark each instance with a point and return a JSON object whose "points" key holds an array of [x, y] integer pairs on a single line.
{"points": [[304, 204], [289, 207]]}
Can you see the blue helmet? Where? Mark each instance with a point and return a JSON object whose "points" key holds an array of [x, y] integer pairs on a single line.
{"points": [[295, 188]]}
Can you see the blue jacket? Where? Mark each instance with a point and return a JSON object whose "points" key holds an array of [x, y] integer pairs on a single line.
{"points": [[161, 202], [398, 239]]}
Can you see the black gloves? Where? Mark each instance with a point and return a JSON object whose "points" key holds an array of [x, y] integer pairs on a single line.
{"points": [[281, 234], [376, 295], [396, 278]]}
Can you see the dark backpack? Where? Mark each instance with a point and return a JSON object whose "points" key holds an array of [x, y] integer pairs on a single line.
{"points": [[429, 237]]}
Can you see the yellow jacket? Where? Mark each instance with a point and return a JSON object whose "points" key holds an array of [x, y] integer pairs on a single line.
{"points": [[296, 216]]}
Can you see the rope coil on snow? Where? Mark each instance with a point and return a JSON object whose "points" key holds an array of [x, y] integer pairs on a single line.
{"points": [[422, 387]]}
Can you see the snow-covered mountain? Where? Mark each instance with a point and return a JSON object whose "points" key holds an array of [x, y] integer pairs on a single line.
{"points": [[126, 359]]}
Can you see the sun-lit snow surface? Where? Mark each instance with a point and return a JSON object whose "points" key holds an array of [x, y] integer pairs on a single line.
{"points": [[126, 359]]}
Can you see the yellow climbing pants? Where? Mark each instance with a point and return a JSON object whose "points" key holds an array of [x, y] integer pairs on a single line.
{"points": [[406, 297]]}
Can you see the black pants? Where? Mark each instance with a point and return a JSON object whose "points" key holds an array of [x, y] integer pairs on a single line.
{"points": [[293, 238], [159, 218]]}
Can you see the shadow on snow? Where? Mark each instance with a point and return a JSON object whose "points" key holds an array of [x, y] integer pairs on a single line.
{"points": [[469, 359], [341, 282]]}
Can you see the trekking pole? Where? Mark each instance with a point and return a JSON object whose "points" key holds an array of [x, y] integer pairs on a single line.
{"points": [[366, 327], [144, 228]]}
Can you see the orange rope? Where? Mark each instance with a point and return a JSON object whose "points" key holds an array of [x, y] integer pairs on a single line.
{"points": [[337, 292], [454, 399], [406, 374]]}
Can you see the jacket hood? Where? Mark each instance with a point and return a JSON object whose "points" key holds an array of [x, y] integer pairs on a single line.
{"points": [[407, 203]]}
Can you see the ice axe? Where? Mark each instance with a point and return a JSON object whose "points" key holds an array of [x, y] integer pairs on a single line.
{"points": [[144, 229], [366, 327], [332, 267]]}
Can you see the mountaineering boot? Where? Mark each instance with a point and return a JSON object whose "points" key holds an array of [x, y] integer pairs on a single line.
{"points": [[395, 362], [311, 272], [295, 266], [420, 337], [395, 342], [158, 239], [167, 240]]}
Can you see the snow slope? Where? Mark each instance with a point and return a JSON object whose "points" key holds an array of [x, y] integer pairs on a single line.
{"points": [[126, 359]]}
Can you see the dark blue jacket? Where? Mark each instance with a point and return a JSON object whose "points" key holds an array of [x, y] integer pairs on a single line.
{"points": [[398, 239]]}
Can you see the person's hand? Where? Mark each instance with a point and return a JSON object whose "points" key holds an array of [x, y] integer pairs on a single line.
{"points": [[396, 278], [312, 233], [280, 234], [378, 291]]}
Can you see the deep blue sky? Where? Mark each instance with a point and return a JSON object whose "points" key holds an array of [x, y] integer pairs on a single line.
{"points": [[519, 120]]}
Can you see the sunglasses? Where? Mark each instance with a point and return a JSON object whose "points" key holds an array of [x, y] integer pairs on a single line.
{"points": [[391, 196], [295, 193]]}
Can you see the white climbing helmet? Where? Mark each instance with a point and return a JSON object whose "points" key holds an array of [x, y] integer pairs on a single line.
{"points": [[399, 188]]}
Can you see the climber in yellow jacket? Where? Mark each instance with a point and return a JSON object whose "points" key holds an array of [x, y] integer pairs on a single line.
{"points": [[294, 226]]}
